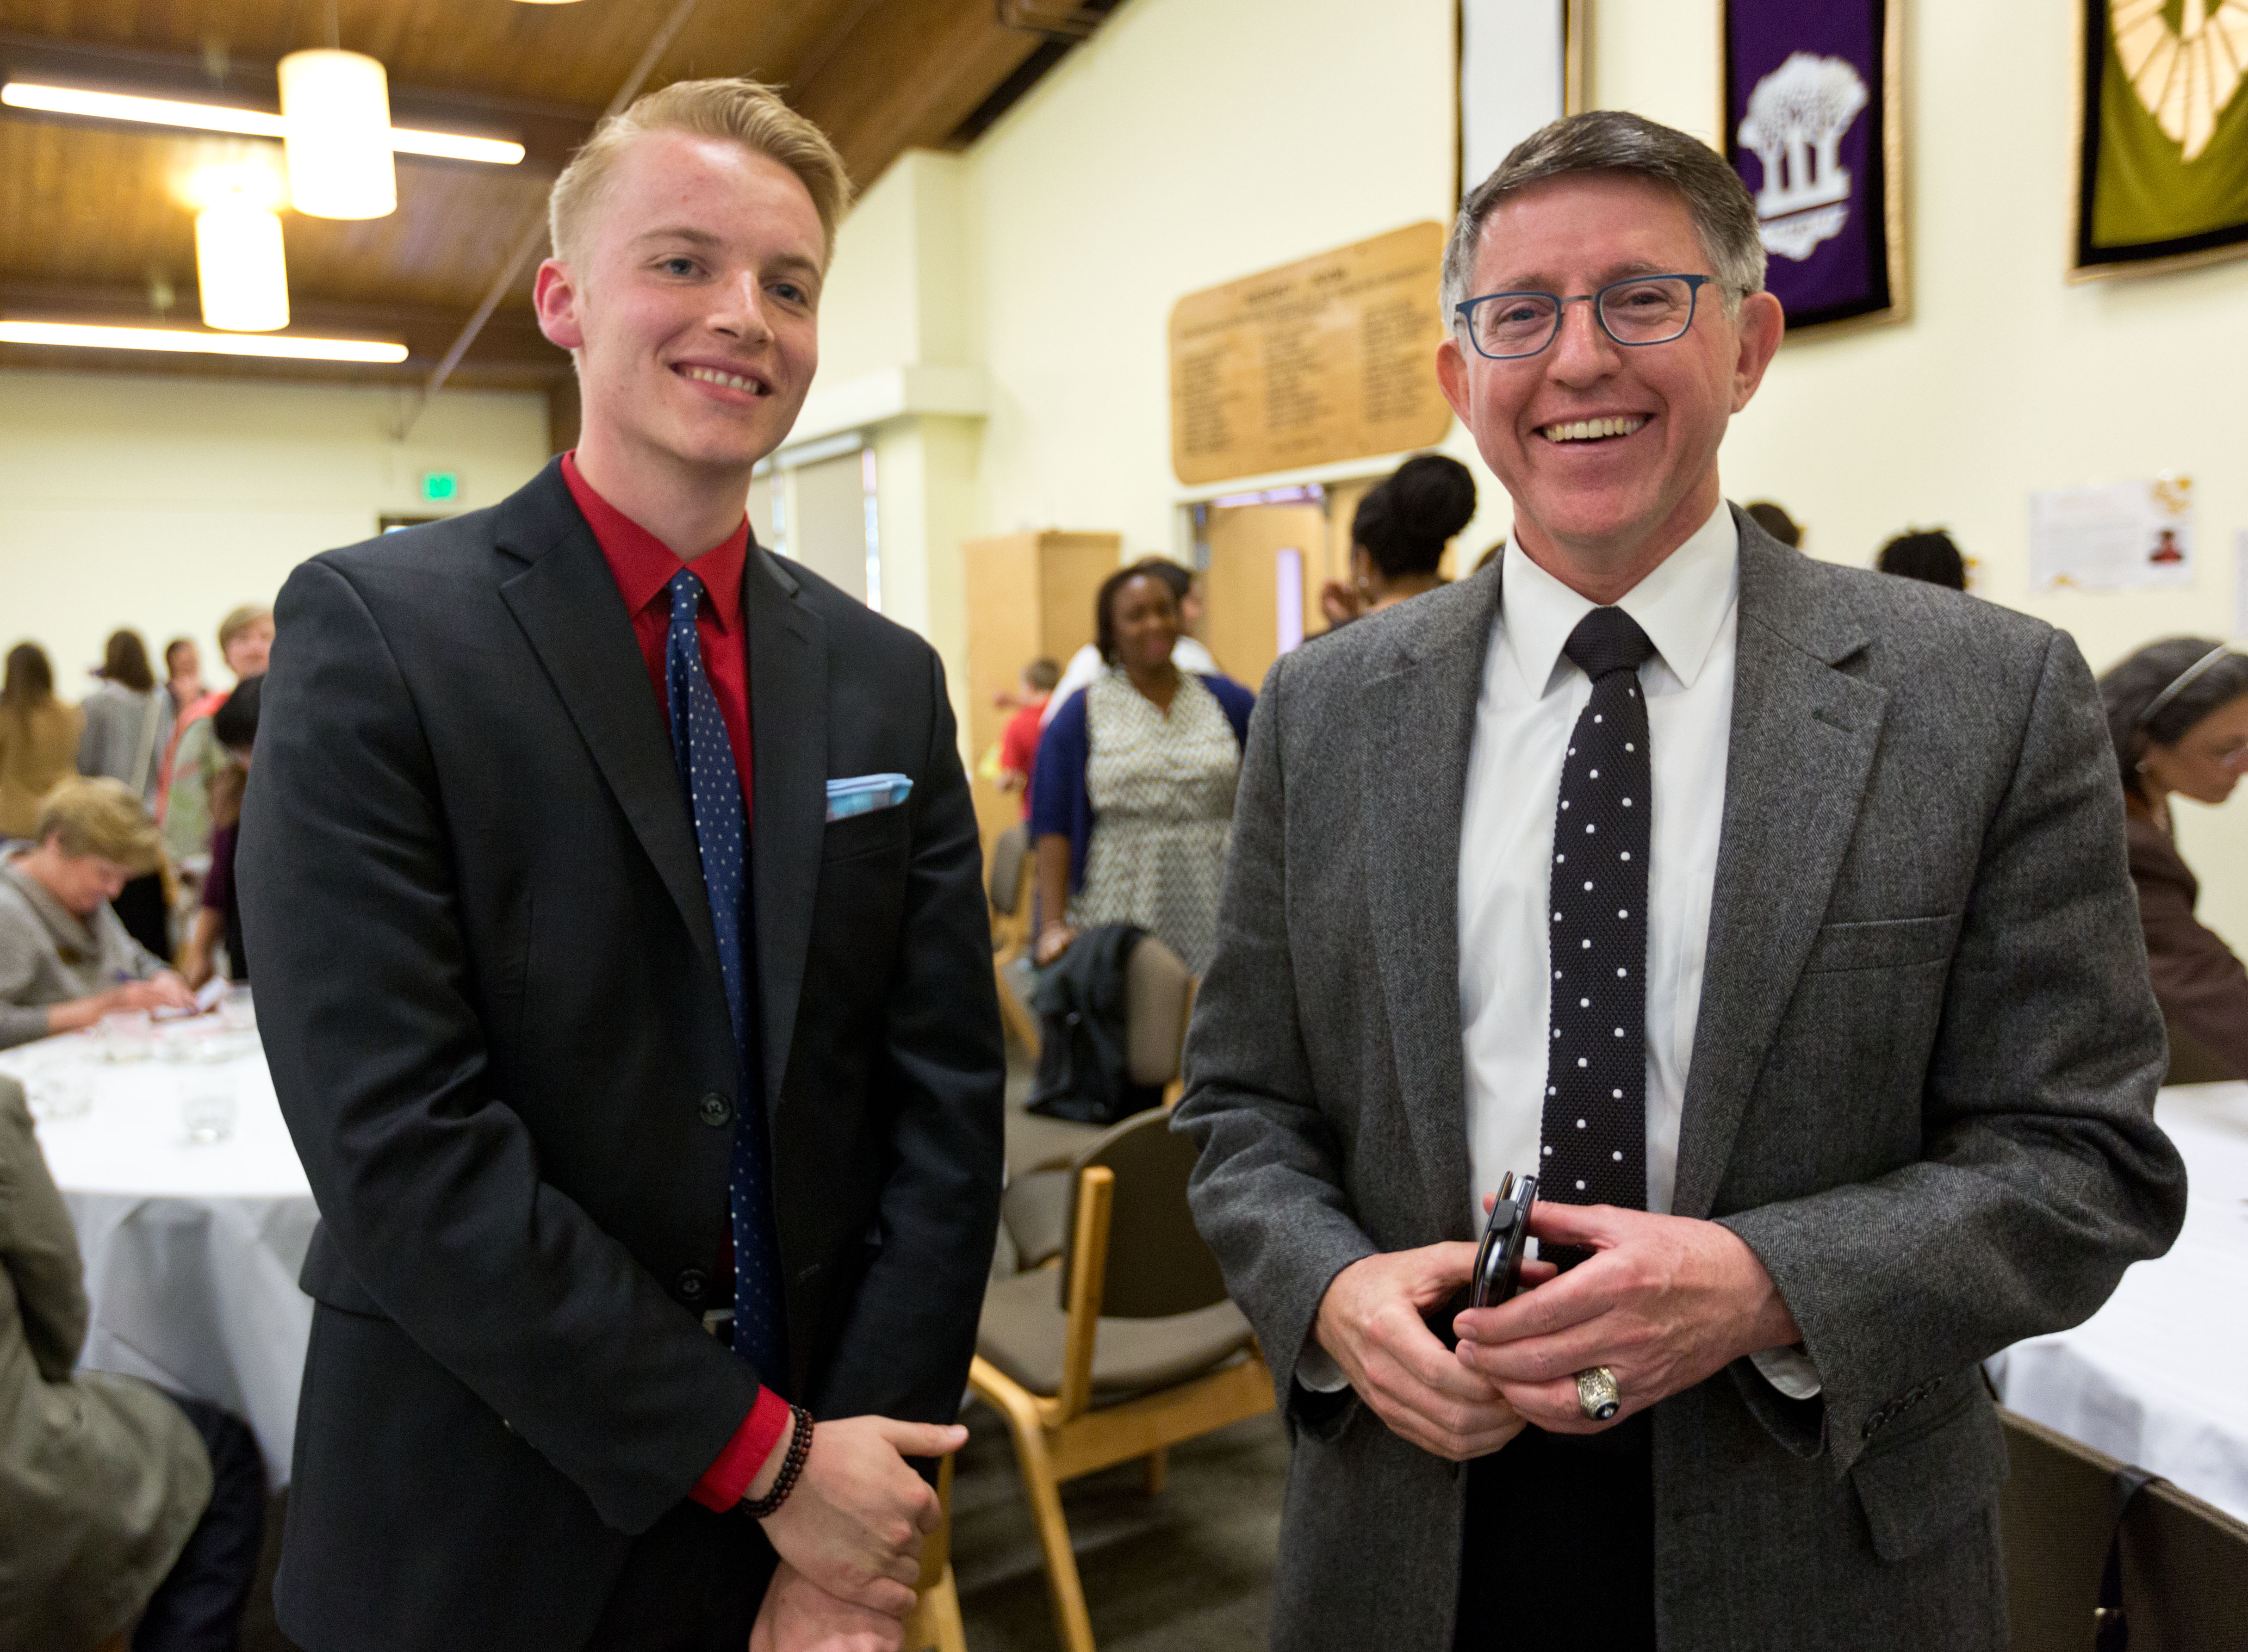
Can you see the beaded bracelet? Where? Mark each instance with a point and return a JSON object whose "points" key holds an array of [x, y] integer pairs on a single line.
{"points": [[792, 1466]]}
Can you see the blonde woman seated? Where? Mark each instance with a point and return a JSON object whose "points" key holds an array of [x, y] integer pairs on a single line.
{"points": [[65, 961], [1133, 805]]}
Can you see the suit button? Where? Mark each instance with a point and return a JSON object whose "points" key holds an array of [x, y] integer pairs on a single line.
{"points": [[692, 1283], [717, 1111]]}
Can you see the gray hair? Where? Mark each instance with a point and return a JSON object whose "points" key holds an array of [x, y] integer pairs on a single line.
{"points": [[1611, 140]]}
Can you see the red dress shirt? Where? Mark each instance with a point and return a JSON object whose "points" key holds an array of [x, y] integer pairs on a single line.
{"points": [[644, 568]]}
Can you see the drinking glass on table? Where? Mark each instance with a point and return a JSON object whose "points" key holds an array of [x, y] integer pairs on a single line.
{"points": [[129, 1035], [207, 1110]]}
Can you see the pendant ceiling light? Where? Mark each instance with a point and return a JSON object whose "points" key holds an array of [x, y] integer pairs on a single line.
{"points": [[239, 267], [336, 106]]}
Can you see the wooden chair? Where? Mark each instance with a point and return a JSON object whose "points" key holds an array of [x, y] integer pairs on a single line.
{"points": [[935, 1621], [2181, 1560], [1158, 1002], [1009, 885], [1138, 1349]]}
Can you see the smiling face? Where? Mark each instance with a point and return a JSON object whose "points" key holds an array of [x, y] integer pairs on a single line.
{"points": [[1146, 620], [1609, 452], [690, 302], [251, 650]]}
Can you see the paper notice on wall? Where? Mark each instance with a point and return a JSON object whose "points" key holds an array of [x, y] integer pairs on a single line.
{"points": [[2117, 537]]}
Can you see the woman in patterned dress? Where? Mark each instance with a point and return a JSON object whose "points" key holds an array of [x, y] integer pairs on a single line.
{"points": [[1134, 809]]}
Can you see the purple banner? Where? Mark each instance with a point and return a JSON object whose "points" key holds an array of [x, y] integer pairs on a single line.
{"points": [[1805, 113]]}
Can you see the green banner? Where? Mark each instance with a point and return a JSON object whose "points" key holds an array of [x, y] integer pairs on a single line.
{"points": [[2165, 148]]}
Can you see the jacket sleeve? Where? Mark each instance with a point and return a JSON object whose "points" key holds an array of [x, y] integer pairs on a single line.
{"points": [[2041, 1173], [905, 1348], [1061, 807], [1268, 1191], [428, 1184]]}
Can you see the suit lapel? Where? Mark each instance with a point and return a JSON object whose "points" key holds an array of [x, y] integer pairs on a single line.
{"points": [[568, 604], [1420, 722], [1803, 740], [788, 720]]}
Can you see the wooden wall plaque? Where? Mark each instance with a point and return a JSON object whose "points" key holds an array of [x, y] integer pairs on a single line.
{"points": [[1331, 358]]}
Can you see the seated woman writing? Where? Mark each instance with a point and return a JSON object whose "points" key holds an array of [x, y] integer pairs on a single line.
{"points": [[66, 960], [1134, 807], [2178, 712]]}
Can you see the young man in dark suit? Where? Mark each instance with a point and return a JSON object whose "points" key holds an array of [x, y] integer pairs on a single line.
{"points": [[649, 1081]]}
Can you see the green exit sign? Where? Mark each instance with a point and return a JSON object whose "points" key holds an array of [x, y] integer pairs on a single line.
{"points": [[438, 486]]}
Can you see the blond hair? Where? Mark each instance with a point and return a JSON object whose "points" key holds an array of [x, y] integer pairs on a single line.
{"points": [[229, 628], [747, 112], [103, 817]]}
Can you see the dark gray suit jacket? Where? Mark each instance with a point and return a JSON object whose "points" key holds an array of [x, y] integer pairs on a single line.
{"points": [[1921, 1091], [489, 993]]}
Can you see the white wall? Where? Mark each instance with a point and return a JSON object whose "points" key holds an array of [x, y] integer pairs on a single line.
{"points": [[161, 502]]}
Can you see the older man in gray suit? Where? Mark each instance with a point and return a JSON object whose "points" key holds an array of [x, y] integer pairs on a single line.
{"points": [[1774, 914]]}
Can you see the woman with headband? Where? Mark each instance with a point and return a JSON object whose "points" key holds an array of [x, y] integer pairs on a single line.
{"points": [[2177, 711]]}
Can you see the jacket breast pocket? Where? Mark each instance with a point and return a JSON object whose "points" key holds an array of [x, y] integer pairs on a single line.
{"points": [[1886, 943], [868, 833]]}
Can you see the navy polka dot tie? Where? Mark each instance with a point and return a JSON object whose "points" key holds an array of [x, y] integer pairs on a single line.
{"points": [[705, 757], [1594, 1129]]}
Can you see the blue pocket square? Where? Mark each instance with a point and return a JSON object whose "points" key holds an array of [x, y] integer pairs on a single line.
{"points": [[865, 794]]}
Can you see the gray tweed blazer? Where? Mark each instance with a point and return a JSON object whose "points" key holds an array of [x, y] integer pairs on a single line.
{"points": [[1921, 1090]]}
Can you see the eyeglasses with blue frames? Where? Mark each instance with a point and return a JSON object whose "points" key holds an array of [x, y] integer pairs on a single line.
{"points": [[1640, 310]]}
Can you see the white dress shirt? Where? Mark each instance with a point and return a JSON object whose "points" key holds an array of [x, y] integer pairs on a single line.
{"points": [[1531, 697]]}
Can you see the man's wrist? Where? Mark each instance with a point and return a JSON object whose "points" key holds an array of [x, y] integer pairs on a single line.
{"points": [[791, 1467], [761, 1484]]}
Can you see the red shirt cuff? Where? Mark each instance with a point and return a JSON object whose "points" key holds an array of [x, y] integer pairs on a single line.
{"points": [[726, 1482]]}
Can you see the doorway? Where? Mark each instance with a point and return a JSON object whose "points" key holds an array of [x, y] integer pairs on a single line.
{"points": [[1263, 557]]}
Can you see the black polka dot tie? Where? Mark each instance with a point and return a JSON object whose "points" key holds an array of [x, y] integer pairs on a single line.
{"points": [[1594, 1133], [705, 757]]}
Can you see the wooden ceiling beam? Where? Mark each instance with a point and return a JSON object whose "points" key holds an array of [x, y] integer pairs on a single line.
{"points": [[906, 75]]}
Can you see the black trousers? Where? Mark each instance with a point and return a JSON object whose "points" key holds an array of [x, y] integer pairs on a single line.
{"points": [[1558, 1549], [692, 1582], [198, 1605], [140, 907]]}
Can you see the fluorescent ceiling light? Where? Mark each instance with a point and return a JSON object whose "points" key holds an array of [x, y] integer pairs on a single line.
{"points": [[250, 123], [239, 267], [336, 106], [210, 344]]}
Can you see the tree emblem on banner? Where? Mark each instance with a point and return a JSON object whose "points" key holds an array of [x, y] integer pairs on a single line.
{"points": [[1795, 122], [2185, 72]]}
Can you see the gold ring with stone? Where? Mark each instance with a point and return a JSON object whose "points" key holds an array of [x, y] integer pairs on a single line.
{"points": [[1598, 1396]]}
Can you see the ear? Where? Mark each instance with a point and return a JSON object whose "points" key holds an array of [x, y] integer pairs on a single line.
{"points": [[1762, 324], [1452, 377], [554, 295]]}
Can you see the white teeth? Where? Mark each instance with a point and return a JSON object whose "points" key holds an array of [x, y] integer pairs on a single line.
{"points": [[1592, 429], [732, 380]]}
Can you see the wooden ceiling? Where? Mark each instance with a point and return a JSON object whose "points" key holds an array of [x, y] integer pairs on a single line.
{"points": [[98, 226]]}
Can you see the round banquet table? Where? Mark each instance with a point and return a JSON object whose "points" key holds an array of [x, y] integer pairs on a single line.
{"points": [[2159, 1376], [191, 1250]]}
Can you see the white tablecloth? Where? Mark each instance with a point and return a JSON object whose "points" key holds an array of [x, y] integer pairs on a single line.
{"points": [[191, 1250], [2158, 1377]]}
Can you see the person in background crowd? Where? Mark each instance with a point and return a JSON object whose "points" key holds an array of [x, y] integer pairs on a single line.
{"points": [[1018, 744], [1398, 537], [184, 675], [118, 1501], [65, 961], [38, 738], [218, 916], [245, 640], [1775, 521], [1134, 800], [128, 723], [1926, 555], [1187, 653], [2177, 713]]}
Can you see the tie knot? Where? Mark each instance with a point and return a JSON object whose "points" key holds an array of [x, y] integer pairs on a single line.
{"points": [[1608, 640], [686, 591]]}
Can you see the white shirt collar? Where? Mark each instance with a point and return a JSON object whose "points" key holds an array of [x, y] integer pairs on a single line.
{"points": [[1681, 605]]}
